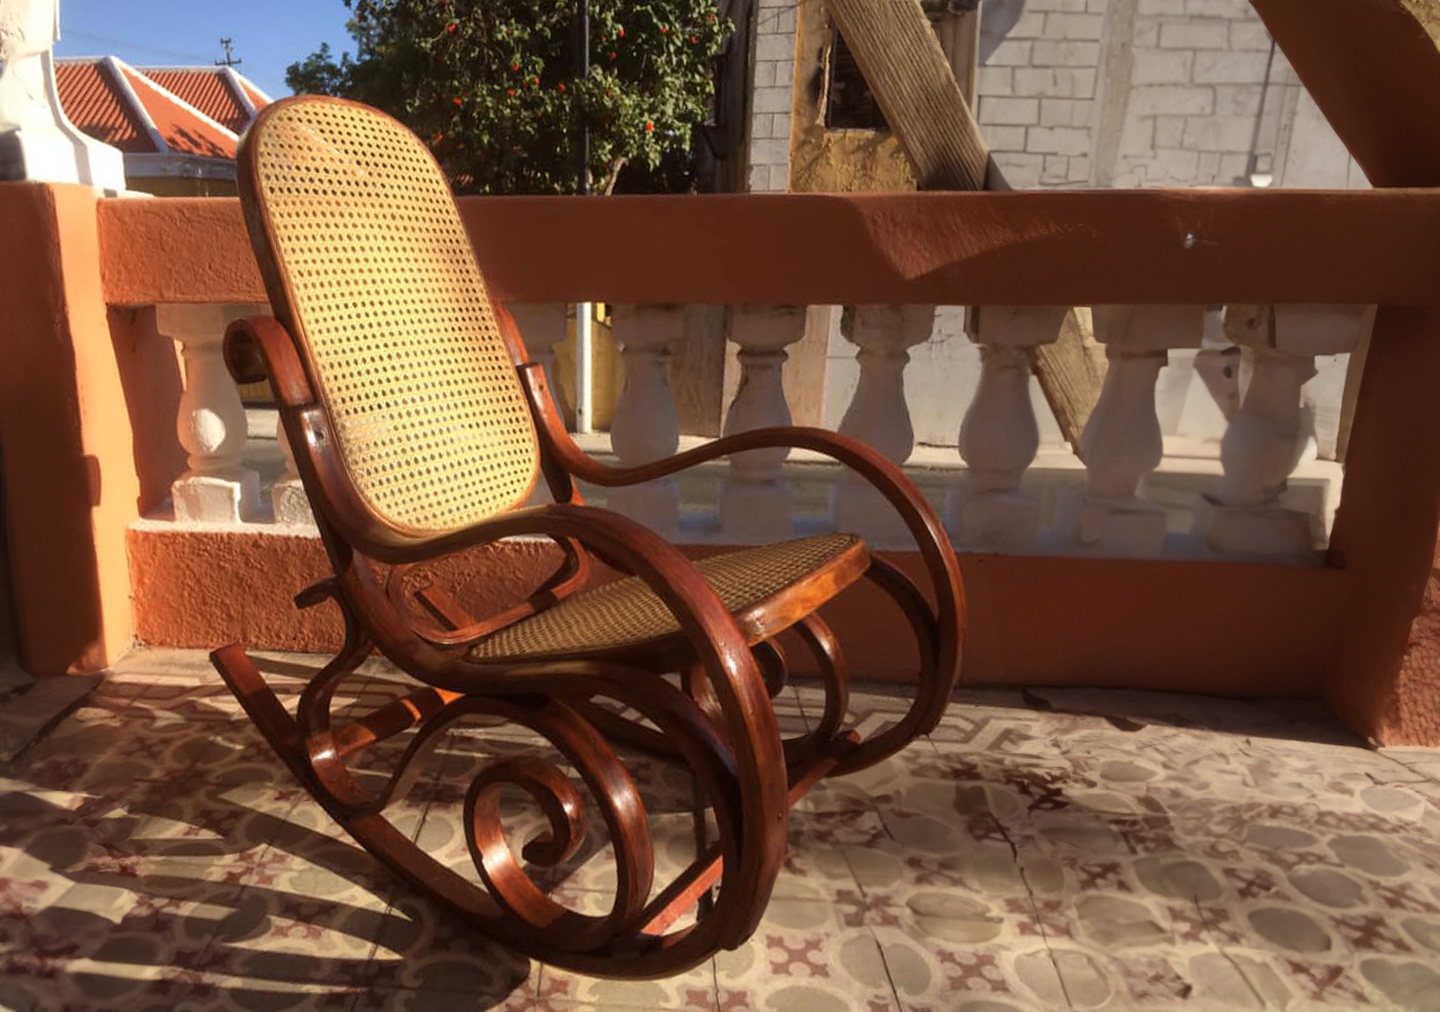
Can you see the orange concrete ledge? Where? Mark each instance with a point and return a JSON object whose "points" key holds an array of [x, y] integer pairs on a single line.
{"points": [[1185, 626], [1066, 248]]}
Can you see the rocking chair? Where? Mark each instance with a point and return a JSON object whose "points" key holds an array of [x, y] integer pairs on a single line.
{"points": [[419, 429]]}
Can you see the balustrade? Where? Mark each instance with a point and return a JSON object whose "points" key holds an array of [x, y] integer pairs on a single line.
{"points": [[210, 421], [646, 426], [287, 495], [542, 327], [1241, 514], [1000, 434], [756, 503], [878, 414], [1122, 441], [1265, 438]]}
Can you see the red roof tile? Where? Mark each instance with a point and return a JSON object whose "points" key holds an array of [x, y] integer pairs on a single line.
{"points": [[96, 106], [183, 129], [205, 89]]}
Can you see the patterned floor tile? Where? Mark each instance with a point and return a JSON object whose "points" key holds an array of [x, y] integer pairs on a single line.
{"points": [[1040, 850]]}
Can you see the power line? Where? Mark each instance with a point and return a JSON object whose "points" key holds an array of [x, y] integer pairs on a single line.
{"points": [[110, 42]]}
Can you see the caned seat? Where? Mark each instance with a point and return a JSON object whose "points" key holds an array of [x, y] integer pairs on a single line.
{"points": [[626, 614], [420, 428]]}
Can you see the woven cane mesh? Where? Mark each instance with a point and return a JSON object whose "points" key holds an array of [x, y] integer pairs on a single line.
{"points": [[626, 612], [394, 316]]}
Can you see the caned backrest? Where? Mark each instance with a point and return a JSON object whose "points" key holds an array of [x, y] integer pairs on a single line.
{"points": [[370, 268]]}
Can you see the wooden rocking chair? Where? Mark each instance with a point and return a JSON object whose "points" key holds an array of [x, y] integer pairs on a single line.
{"points": [[419, 428]]}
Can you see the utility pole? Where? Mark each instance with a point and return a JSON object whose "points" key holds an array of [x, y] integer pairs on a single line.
{"points": [[230, 60], [584, 341]]}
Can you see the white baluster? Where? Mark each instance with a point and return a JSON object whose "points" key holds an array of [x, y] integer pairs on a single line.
{"points": [[1000, 434], [878, 414], [756, 502], [1122, 442], [1265, 439], [542, 327], [287, 495], [210, 421], [646, 427]]}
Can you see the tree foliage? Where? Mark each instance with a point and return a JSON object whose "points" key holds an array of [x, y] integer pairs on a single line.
{"points": [[492, 85]]}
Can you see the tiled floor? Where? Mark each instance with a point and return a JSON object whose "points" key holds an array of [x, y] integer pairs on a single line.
{"points": [[1041, 851]]}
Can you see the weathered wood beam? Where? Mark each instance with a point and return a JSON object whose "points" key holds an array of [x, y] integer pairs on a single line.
{"points": [[917, 90]]}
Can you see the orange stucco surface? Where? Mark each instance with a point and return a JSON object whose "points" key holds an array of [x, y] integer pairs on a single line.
{"points": [[1372, 69], [69, 462], [1065, 248], [1034, 621]]}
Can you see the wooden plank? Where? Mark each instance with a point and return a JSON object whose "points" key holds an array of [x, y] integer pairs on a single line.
{"points": [[1071, 372], [1027, 248], [917, 88]]}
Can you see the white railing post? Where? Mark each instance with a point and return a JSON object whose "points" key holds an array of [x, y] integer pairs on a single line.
{"points": [[646, 427], [542, 327], [1000, 435], [1122, 442], [287, 495], [878, 414], [210, 421], [1265, 439], [755, 503]]}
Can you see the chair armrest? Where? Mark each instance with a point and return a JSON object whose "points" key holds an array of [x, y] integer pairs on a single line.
{"points": [[259, 348], [930, 536]]}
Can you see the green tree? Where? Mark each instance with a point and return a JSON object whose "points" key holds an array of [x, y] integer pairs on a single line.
{"points": [[492, 85]]}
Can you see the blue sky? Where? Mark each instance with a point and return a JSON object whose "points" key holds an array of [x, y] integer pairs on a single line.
{"points": [[269, 34]]}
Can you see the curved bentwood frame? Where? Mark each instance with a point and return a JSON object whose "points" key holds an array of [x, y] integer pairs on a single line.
{"points": [[719, 724]]}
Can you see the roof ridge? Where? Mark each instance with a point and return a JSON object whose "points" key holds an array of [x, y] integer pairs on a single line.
{"points": [[167, 93], [116, 67]]}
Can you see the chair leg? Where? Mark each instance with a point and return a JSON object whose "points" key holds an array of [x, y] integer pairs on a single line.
{"points": [[932, 693], [637, 938]]}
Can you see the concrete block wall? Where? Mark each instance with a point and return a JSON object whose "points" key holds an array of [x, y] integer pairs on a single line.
{"points": [[1195, 100], [772, 96], [1186, 116], [1037, 90]]}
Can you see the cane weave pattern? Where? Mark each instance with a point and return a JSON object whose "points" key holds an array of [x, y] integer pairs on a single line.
{"points": [[393, 316], [627, 612]]}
